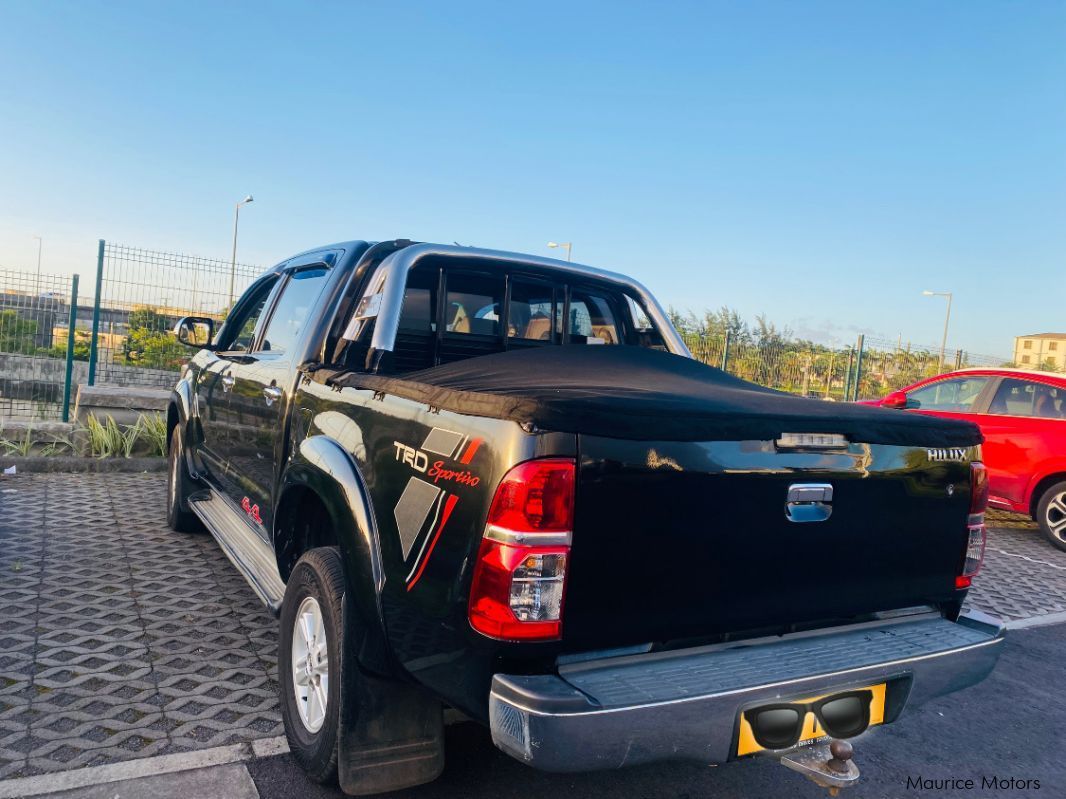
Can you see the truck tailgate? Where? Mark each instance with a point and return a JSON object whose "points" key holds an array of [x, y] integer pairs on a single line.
{"points": [[676, 540]]}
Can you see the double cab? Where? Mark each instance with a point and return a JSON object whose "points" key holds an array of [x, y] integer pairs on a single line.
{"points": [[499, 484]]}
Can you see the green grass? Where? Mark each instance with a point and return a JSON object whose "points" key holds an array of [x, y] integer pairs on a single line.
{"points": [[108, 439], [154, 433], [16, 446]]}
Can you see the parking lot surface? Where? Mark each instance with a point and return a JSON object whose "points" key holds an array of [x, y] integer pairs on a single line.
{"points": [[122, 639]]}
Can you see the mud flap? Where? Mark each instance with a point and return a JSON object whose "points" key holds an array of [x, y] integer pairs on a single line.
{"points": [[391, 734]]}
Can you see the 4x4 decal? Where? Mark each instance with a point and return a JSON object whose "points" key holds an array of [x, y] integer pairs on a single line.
{"points": [[251, 510]]}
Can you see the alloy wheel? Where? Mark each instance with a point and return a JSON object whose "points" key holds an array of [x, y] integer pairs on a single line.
{"points": [[1055, 516], [310, 664]]}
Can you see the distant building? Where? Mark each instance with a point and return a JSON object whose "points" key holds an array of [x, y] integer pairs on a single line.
{"points": [[1041, 350]]}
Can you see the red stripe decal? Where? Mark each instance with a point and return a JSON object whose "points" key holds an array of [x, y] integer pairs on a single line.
{"points": [[448, 505], [470, 451]]}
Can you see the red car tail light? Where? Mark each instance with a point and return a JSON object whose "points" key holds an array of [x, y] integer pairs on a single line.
{"points": [[520, 575], [975, 540]]}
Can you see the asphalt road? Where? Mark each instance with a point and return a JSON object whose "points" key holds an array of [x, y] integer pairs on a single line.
{"points": [[1013, 725]]}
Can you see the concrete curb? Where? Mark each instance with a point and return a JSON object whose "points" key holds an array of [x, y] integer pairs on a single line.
{"points": [[144, 767], [1037, 621], [70, 463]]}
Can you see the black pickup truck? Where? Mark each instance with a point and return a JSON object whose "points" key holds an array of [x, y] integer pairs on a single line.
{"points": [[500, 484]]}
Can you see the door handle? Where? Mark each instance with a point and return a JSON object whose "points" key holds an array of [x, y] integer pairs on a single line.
{"points": [[271, 394], [227, 382], [809, 502]]}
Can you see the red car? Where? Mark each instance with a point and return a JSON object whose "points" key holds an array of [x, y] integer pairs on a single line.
{"points": [[1023, 417]]}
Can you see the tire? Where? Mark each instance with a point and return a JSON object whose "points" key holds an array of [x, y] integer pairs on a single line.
{"points": [[1051, 515], [179, 486], [314, 593]]}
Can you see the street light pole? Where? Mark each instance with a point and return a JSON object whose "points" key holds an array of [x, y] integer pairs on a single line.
{"points": [[233, 261], [37, 291], [947, 320], [565, 244]]}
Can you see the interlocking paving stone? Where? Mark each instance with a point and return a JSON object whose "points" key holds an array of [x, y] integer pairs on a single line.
{"points": [[1023, 575], [122, 639]]}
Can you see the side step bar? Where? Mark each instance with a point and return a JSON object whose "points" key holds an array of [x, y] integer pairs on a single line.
{"points": [[245, 548]]}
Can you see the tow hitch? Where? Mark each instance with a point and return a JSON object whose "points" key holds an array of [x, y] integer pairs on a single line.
{"points": [[828, 765]]}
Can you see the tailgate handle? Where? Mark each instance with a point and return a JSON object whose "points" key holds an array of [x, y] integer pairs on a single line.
{"points": [[809, 502]]}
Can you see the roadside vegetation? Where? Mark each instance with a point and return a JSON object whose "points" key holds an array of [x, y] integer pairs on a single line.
{"points": [[106, 438], [773, 356]]}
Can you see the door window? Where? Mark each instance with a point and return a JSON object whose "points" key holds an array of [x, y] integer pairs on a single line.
{"points": [[291, 311], [956, 394], [1025, 398], [246, 323]]}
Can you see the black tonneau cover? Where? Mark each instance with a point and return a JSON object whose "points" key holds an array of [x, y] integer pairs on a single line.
{"points": [[647, 395]]}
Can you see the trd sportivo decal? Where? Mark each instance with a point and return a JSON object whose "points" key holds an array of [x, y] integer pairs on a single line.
{"points": [[424, 508], [436, 470], [420, 562]]}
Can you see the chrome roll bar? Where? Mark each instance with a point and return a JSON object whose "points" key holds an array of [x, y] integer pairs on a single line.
{"points": [[390, 280]]}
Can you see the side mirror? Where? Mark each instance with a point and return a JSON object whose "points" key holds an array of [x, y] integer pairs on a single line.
{"points": [[195, 331], [897, 399]]}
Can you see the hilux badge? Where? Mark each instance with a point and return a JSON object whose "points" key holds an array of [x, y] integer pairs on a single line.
{"points": [[950, 454]]}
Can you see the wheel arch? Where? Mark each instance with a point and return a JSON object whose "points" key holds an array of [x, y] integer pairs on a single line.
{"points": [[1043, 484], [178, 408], [321, 471]]}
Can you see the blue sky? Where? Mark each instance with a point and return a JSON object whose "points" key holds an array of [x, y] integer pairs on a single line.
{"points": [[819, 162]]}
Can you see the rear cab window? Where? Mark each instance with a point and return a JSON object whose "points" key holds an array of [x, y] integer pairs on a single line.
{"points": [[535, 312], [452, 313], [593, 318]]}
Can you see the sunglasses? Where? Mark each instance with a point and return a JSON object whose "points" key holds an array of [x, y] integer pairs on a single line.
{"points": [[780, 726]]}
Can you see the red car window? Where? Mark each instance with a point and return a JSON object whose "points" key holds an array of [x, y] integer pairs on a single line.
{"points": [[1026, 398], [956, 394]]}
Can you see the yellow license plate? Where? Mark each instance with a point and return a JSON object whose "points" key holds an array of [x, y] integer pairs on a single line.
{"points": [[812, 730]]}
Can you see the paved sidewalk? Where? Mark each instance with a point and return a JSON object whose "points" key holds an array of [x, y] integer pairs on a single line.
{"points": [[1005, 728], [122, 639], [1023, 576]]}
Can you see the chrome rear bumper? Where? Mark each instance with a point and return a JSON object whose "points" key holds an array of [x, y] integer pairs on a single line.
{"points": [[685, 705]]}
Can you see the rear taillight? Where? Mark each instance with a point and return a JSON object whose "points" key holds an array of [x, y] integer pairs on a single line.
{"points": [[520, 575], [975, 540]]}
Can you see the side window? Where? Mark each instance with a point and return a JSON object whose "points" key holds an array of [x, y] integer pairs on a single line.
{"points": [[472, 304], [1024, 398], [956, 394], [249, 319], [291, 311], [637, 316], [535, 313], [592, 319]]}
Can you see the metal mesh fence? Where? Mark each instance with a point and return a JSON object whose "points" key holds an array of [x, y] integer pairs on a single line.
{"points": [[891, 365], [142, 294], [868, 369], [34, 320]]}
